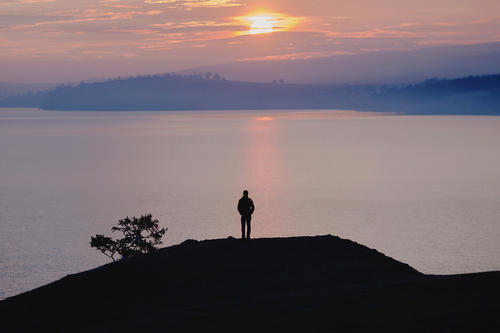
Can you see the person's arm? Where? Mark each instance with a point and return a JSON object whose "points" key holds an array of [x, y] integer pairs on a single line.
{"points": [[252, 206]]}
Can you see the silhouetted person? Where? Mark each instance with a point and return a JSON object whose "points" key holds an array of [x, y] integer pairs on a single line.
{"points": [[246, 208]]}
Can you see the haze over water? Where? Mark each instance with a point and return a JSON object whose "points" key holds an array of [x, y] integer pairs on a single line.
{"points": [[423, 190]]}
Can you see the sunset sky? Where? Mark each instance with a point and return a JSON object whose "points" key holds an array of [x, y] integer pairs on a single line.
{"points": [[68, 40]]}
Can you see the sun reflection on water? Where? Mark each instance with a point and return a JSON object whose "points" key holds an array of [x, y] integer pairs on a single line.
{"points": [[264, 118], [264, 176]]}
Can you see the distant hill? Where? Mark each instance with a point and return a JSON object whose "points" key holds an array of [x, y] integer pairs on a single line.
{"points": [[300, 284], [27, 99], [13, 89], [468, 95], [371, 67]]}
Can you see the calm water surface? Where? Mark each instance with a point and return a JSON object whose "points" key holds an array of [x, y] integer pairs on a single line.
{"points": [[423, 190]]}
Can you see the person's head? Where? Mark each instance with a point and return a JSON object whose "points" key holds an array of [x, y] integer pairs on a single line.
{"points": [[245, 193]]}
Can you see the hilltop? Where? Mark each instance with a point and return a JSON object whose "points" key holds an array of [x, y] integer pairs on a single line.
{"points": [[321, 283]]}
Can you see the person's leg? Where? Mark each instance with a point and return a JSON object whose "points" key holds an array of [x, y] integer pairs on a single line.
{"points": [[249, 218], [242, 226]]}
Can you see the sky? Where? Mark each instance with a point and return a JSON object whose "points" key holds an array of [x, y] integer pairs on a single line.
{"points": [[72, 40]]}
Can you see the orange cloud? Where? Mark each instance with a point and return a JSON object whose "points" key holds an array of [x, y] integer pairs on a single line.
{"points": [[111, 5], [297, 56]]}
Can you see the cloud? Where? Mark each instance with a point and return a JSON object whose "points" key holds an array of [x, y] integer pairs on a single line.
{"points": [[375, 33], [296, 56], [189, 4], [23, 2], [63, 12], [206, 26], [112, 5], [160, 1], [133, 31], [90, 15], [415, 30], [212, 3], [190, 24], [103, 53]]}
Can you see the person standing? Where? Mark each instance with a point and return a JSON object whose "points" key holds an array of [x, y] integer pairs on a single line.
{"points": [[245, 208]]}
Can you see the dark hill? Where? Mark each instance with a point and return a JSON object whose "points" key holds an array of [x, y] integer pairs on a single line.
{"points": [[479, 95], [307, 284]]}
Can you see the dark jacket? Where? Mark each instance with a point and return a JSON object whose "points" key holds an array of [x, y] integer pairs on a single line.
{"points": [[246, 206]]}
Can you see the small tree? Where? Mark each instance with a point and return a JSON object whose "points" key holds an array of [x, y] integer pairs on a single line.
{"points": [[140, 235]]}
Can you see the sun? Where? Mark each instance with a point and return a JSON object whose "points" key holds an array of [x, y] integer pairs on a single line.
{"points": [[261, 24], [266, 22]]}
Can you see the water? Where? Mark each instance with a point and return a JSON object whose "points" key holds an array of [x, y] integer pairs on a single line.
{"points": [[423, 190]]}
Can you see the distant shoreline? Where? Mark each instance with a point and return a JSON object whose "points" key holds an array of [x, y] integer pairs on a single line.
{"points": [[472, 95], [264, 111]]}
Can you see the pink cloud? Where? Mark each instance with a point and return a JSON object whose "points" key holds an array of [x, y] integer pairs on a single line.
{"points": [[90, 15], [189, 4], [24, 2]]}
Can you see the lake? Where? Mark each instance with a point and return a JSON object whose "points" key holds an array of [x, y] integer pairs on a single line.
{"points": [[424, 190]]}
